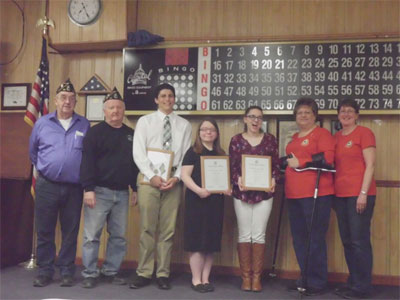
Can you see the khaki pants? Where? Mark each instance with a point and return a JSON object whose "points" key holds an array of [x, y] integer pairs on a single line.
{"points": [[157, 210]]}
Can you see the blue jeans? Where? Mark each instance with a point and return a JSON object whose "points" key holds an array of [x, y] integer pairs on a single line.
{"points": [[111, 206], [355, 233], [300, 223], [53, 200]]}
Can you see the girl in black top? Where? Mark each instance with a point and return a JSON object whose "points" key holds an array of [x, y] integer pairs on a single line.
{"points": [[203, 210]]}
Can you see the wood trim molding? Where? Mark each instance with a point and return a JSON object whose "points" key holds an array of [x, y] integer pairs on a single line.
{"points": [[388, 183], [285, 38], [81, 47]]}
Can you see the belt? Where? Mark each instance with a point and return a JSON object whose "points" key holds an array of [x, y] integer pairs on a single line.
{"points": [[47, 179], [56, 182]]}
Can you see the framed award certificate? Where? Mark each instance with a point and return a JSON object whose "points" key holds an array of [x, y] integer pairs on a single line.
{"points": [[15, 96], [215, 173], [256, 172], [94, 107], [160, 163]]}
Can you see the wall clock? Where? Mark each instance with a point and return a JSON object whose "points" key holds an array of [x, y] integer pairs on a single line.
{"points": [[84, 12]]}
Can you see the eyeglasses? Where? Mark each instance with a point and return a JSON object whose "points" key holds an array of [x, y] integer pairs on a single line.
{"points": [[254, 118], [212, 130], [347, 111]]}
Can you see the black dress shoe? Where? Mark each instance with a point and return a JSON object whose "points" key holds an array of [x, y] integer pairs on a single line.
{"points": [[352, 294], [208, 287], [341, 289], [198, 288], [310, 291], [41, 281], [114, 279], [89, 282], [294, 287], [163, 283], [67, 281], [139, 281]]}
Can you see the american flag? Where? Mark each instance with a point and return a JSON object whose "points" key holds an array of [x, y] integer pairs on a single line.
{"points": [[39, 100]]}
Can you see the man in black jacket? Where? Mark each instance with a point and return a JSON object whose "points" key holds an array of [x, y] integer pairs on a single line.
{"points": [[107, 170]]}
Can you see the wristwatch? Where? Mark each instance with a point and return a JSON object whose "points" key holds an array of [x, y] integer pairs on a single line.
{"points": [[363, 192]]}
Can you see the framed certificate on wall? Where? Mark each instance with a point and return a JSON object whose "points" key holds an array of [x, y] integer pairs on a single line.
{"points": [[15, 96]]}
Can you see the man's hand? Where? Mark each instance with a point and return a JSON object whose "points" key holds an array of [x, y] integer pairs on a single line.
{"points": [[133, 200], [166, 186], [156, 181], [89, 198]]}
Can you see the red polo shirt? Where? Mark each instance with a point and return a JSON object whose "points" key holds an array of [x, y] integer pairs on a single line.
{"points": [[349, 161], [302, 184]]}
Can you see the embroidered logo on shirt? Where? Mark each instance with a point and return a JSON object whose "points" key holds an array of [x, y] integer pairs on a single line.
{"points": [[130, 138], [305, 142], [349, 144]]}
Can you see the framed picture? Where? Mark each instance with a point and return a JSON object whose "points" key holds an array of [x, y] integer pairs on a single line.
{"points": [[264, 126], [160, 163], [335, 126], [215, 173], [94, 107], [15, 96], [286, 129], [256, 172]]}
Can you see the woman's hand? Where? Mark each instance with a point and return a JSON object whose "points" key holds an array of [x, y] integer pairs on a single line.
{"points": [[273, 185], [361, 204], [203, 193], [228, 192], [293, 162], [241, 187]]}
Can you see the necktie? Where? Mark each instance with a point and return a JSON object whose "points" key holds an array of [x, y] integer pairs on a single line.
{"points": [[167, 137]]}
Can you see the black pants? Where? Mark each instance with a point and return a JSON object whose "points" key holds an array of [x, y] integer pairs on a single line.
{"points": [[355, 233], [300, 211], [53, 200]]}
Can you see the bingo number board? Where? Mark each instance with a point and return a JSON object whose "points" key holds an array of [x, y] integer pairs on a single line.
{"points": [[273, 76]]}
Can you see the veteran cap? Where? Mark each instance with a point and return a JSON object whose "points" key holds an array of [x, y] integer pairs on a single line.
{"points": [[67, 86], [114, 95]]}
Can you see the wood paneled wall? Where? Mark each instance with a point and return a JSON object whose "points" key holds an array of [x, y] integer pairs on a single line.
{"points": [[111, 25], [266, 19], [227, 20]]}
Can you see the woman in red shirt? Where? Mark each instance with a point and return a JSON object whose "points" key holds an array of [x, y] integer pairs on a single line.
{"points": [[355, 197], [299, 188]]}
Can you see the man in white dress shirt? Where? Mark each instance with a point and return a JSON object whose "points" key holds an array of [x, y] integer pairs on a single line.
{"points": [[159, 201]]}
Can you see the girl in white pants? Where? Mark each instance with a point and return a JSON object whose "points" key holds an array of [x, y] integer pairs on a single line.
{"points": [[252, 220], [252, 208]]}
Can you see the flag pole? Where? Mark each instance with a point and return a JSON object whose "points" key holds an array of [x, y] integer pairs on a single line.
{"points": [[45, 22], [31, 263]]}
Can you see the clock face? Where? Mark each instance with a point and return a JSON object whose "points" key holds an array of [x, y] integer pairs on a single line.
{"points": [[84, 12]]}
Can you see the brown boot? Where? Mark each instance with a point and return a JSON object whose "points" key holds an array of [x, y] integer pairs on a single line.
{"points": [[244, 251], [258, 265]]}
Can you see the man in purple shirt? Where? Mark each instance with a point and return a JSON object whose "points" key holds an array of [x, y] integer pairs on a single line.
{"points": [[55, 148]]}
